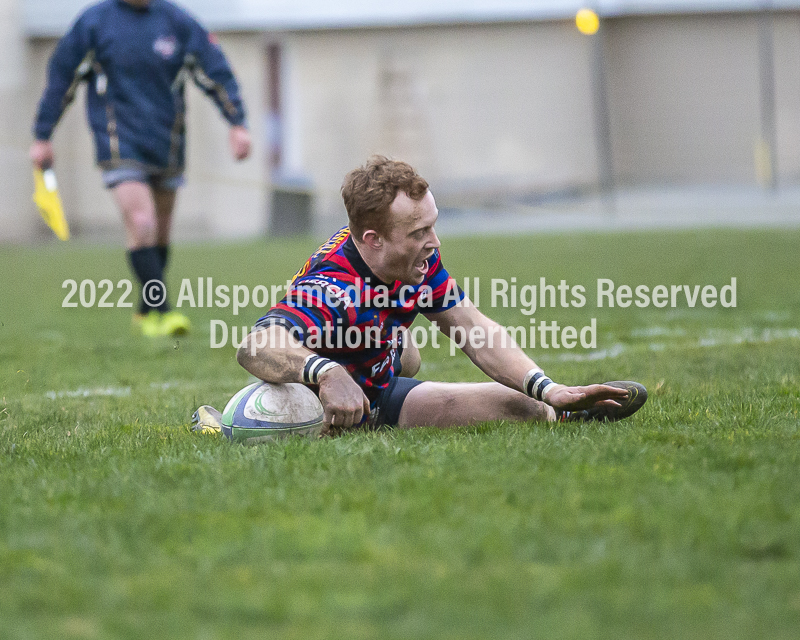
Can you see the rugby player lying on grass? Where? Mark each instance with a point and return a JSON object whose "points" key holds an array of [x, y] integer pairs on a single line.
{"points": [[340, 328]]}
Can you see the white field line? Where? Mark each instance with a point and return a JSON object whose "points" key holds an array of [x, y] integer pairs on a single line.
{"points": [[115, 392], [716, 339], [123, 392], [656, 331], [613, 351], [749, 335]]}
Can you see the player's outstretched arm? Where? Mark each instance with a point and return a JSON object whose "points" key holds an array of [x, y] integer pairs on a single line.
{"points": [[500, 358], [272, 354], [213, 74], [69, 65]]}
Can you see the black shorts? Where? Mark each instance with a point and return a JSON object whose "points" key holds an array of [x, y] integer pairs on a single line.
{"points": [[386, 408]]}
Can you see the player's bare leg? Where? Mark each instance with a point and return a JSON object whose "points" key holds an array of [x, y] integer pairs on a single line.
{"points": [[138, 207], [448, 404]]}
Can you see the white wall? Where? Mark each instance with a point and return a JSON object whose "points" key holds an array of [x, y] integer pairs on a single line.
{"points": [[18, 221], [787, 98], [684, 97], [476, 109]]}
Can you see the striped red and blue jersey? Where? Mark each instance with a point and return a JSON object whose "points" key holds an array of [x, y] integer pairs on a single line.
{"points": [[339, 309]]}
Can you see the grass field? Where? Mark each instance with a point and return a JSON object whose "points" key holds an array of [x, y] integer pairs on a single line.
{"points": [[683, 522]]}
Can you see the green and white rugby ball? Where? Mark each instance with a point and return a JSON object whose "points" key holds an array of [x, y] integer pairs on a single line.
{"points": [[264, 412]]}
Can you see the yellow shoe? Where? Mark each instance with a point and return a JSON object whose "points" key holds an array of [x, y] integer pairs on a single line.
{"points": [[174, 323], [148, 324], [207, 420]]}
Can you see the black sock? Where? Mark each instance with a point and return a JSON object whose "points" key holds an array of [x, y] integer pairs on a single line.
{"points": [[147, 265], [163, 253]]}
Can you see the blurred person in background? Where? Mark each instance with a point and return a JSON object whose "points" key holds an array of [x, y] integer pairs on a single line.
{"points": [[136, 57]]}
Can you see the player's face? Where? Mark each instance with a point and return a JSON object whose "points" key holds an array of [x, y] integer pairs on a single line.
{"points": [[412, 239]]}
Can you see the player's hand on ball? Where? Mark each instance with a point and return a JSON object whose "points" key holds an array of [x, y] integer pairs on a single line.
{"points": [[240, 142], [342, 399], [576, 398]]}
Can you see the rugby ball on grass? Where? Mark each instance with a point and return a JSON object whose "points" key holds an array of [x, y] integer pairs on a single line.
{"points": [[264, 412]]}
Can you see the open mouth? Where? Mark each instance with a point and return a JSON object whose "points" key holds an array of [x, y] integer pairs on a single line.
{"points": [[422, 266]]}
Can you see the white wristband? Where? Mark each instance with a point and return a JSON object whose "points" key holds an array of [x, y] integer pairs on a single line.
{"points": [[536, 384], [314, 366]]}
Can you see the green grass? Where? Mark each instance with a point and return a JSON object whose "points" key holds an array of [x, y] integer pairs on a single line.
{"points": [[117, 522]]}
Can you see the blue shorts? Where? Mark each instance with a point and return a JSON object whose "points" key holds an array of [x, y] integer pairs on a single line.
{"points": [[386, 408], [114, 177]]}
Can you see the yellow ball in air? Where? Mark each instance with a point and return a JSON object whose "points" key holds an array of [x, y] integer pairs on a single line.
{"points": [[587, 22]]}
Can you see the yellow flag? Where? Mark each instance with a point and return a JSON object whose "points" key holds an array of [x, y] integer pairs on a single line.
{"points": [[45, 195]]}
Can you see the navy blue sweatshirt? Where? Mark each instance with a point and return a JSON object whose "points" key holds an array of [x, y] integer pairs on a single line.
{"points": [[136, 62]]}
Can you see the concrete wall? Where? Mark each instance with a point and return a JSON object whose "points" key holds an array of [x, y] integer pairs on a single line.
{"points": [[16, 223], [787, 98], [222, 199], [478, 109], [684, 98], [492, 111]]}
